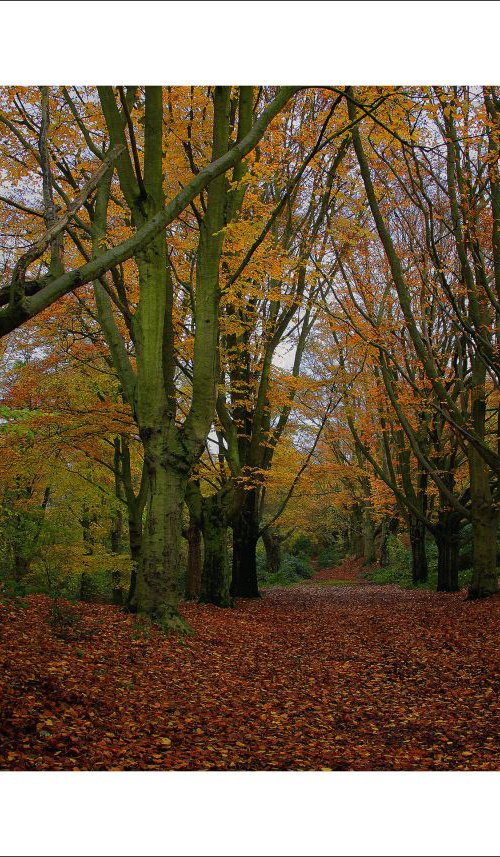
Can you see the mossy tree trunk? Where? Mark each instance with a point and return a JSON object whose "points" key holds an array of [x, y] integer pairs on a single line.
{"points": [[157, 588], [170, 451], [485, 518]]}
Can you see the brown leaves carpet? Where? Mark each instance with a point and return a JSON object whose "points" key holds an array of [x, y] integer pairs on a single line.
{"points": [[306, 678]]}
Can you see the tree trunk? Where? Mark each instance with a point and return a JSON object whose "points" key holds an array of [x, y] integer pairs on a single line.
{"points": [[389, 527], [484, 514], [157, 588], [419, 567], [135, 539], [384, 545], [21, 568], [485, 532], [356, 532], [245, 537], [272, 544], [193, 575], [368, 538], [215, 576], [447, 535], [116, 548], [87, 587]]}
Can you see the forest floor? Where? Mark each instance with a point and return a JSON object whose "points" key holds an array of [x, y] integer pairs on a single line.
{"points": [[342, 676]]}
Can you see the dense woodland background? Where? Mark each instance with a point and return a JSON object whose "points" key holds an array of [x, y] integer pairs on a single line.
{"points": [[213, 374]]}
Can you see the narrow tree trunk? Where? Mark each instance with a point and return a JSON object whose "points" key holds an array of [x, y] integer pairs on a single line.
{"points": [[384, 544], [346, 542], [272, 544], [116, 547], [135, 539], [87, 589], [389, 528], [368, 538], [447, 535], [419, 566], [356, 532], [193, 575], [215, 576]]}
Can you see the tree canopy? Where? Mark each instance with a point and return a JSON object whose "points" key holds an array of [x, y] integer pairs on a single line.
{"points": [[248, 310]]}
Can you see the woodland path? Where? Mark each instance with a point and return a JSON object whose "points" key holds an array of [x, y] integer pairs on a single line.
{"points": [[316, 676]]}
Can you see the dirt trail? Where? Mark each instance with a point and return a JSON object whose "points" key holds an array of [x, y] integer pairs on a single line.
{"points": [[309, 677], [350, 571]]}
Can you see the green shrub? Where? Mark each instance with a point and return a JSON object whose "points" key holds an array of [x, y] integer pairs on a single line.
{"points": [[293, 569], [399, 569], [73, 584], [296, 565], [299, 544], [330, 555]]}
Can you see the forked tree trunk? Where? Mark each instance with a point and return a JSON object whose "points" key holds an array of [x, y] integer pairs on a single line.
{"points": [[169, 452]]}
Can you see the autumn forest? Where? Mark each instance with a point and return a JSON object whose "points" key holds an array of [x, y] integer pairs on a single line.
{"points": [[249, 427]]}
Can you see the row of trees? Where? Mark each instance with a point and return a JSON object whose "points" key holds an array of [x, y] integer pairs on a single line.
{"points": [[220, 304]]}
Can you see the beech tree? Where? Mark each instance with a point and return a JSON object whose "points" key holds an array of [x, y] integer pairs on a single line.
{"points": [[191, 239], [473, 312]]}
